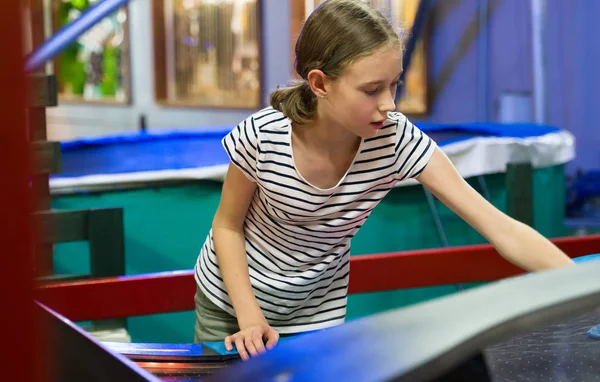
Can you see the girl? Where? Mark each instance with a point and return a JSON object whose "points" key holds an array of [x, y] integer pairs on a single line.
{"points": [[306, 173]]}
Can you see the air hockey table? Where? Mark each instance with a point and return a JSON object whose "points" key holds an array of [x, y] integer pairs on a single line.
{"points": [[537, 327]]}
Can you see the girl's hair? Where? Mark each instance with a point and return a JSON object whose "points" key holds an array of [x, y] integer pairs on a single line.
{"points": [[336, 34]]}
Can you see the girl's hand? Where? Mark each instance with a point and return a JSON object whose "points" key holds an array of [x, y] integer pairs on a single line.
{"points": [[250, 341]]}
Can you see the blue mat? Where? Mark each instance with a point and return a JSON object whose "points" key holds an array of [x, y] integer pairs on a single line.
{"points": [[189, 148], [128, 154]]}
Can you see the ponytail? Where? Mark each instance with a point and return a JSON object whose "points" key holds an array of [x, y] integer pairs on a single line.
{"points": [[297, 102]]}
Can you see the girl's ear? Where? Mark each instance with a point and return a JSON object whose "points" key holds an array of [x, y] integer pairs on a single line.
{"points": [[317, 80]]}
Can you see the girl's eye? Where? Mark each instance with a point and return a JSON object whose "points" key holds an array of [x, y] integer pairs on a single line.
{"points": [[373, 92]]}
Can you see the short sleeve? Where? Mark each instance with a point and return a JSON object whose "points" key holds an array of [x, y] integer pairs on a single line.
{"points": [[413, 149], [242, 147]]}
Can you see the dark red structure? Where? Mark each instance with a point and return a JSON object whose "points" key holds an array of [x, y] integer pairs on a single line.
{"points": [[20, 331]]}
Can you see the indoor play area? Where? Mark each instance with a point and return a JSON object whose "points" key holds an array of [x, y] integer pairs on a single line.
{"points": [[128, 106]]}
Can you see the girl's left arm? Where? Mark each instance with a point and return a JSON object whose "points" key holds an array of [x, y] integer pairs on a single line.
{"points": [[515, 241]]}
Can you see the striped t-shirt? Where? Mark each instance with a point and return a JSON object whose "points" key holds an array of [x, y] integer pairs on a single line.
{"points": [[298, 235]]}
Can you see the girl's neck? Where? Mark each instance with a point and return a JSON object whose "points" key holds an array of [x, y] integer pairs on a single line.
{"points": [[327, 137]]}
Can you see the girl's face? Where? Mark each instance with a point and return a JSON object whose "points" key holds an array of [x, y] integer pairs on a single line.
{"points": [[361, 98]]}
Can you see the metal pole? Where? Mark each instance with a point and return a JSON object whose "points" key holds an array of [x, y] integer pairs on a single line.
{"points": [[538, 30]]}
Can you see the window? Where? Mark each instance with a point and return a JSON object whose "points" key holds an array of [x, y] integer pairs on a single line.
{"points": [[207, 53], [96, 67]]}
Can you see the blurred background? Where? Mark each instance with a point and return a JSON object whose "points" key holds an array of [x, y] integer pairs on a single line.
{"points": [[506, 87]]}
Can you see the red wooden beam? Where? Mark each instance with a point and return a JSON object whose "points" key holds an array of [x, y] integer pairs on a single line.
{"points": [[442, 266], [121, 296], [174, 291]]}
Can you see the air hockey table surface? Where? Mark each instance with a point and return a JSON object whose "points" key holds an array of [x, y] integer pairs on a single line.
{"points": [[559, 352], [551, 353]]}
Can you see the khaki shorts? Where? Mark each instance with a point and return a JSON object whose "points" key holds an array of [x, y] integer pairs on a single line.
{"points": [[212, 322]]}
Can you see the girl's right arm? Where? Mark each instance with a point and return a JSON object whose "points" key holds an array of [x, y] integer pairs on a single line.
{"points": [[229, 242]]}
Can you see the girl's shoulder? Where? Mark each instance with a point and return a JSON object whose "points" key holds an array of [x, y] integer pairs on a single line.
{"points": [[396, 119], [394, 122], [269, 121], [255, 135]]}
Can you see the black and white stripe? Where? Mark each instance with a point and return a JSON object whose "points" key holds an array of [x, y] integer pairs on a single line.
{"points": [[297, 235]]}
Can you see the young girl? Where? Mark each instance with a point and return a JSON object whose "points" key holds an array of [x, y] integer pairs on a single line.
{"points": [[305, 175]]}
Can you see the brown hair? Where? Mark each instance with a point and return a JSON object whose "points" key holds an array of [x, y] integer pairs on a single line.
{"points": [[336, 34]]}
